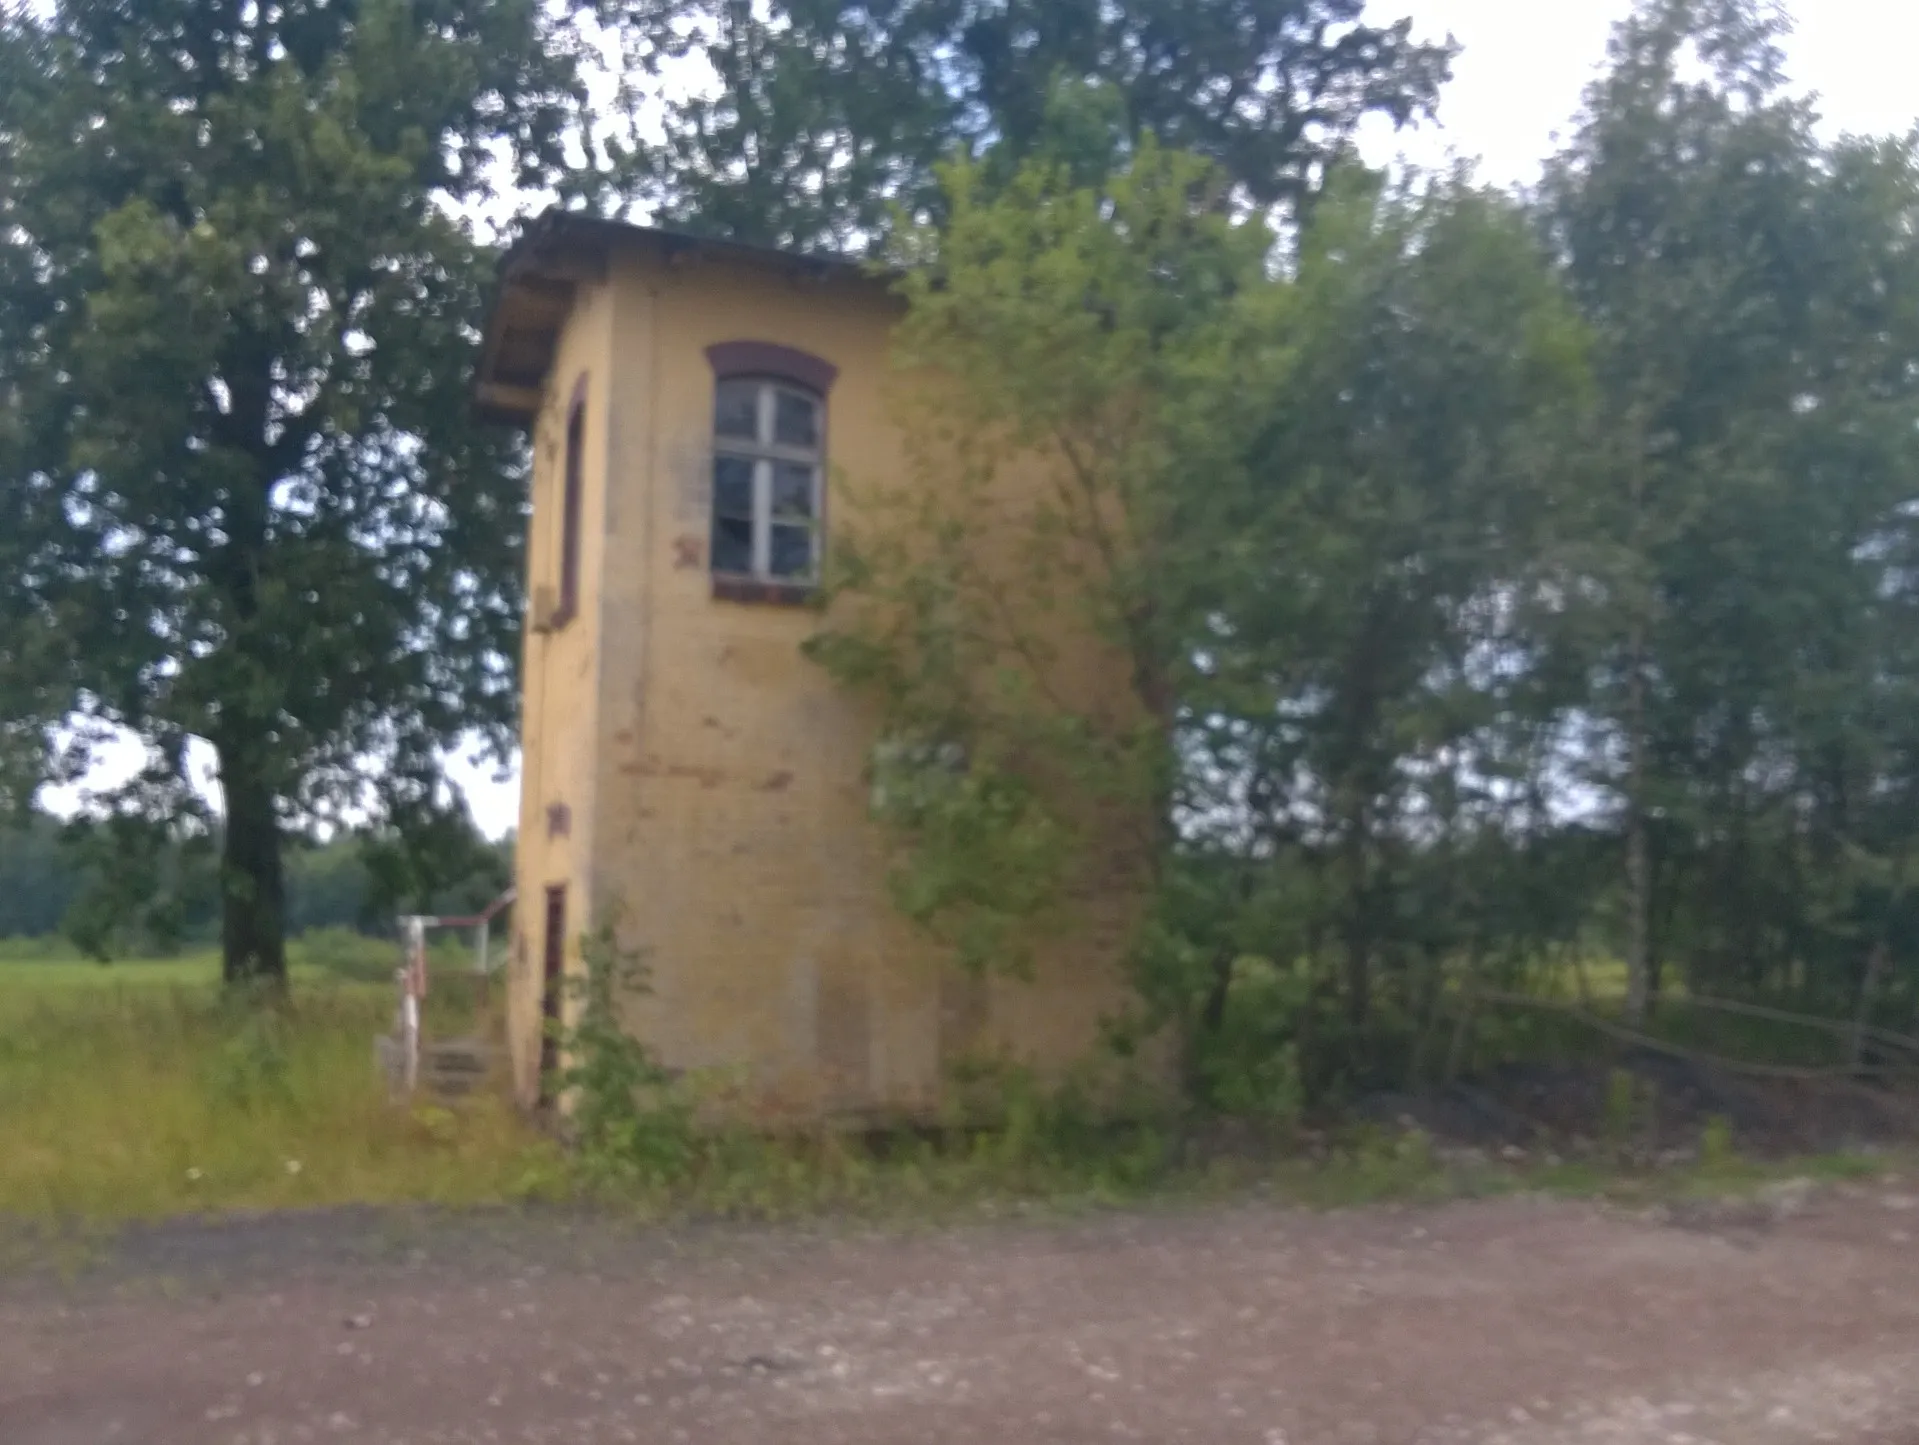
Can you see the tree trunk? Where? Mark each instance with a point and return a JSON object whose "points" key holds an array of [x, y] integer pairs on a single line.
{"points": [[1862, 1016], [1212, 1018], [1638, 867], [252, 884], [1878, 961], [1359, 935], [1359, 975]]}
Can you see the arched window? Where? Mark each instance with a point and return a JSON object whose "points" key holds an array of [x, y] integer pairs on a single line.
{"points": [[769, 463], [767, 453], [571, 500]]}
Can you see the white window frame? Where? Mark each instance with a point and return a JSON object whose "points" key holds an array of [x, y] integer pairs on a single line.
{"points": [[764, 452]]}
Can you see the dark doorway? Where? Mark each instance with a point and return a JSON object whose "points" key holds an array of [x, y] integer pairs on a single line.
{"points": [[553, 981]]}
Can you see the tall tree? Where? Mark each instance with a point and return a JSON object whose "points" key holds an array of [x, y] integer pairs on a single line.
{"points": [[821, 116], [1091, 335], [1309, 514], [241, 496], [38, 878], [1752, 294], [1492, 564], [1366, 733]]}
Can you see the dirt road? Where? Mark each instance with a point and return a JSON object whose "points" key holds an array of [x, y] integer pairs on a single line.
{"points": [[1516, 1321]]}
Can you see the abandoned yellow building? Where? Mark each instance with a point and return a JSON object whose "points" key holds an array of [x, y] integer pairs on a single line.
{"points": [[696, 409]]}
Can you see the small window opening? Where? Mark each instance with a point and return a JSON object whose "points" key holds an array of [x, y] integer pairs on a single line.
{"points": [[768, 447], [570, 509]]}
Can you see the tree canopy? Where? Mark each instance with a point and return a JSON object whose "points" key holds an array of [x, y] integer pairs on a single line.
{"points": [[244, 499], [1490, 577], [1750, 291], [822, 118], [1500, 578]]}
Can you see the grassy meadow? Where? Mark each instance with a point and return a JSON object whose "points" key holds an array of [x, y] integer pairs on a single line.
{"points": [[138, 1090], [134, 1089]]}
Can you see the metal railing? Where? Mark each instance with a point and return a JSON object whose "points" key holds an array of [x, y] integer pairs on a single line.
{"points": [[412, 976]]}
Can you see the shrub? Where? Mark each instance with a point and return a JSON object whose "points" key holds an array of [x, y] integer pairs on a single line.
{"points": [[1716, 1149], [630, 1126], [346, 954]]}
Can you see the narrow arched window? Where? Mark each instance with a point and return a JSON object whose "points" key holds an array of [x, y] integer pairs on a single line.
{"points": [[571, 502], [769, 439]]}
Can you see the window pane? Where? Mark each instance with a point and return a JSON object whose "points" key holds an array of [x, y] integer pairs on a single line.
{"points": [[732, 545], [792, 491], [792, 551], [796, 420], [736, 409], [733, 487]]}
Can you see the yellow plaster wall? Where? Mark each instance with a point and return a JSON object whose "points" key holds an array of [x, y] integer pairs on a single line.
{"points": [[559, 718], [716, 775]]}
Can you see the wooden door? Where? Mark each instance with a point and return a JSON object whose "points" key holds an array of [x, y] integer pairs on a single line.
{"points": [[552, 987]]}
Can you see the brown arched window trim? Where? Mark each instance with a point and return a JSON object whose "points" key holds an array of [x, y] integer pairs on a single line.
{"points": [[572, 502], [731, 359]]}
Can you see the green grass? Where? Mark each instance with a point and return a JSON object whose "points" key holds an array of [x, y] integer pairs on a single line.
{"points": [[1376, 1168], [135, 1090], [318, 953], [26, 983]]}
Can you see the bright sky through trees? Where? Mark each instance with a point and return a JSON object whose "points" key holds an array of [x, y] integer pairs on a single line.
{"points": [[1516, 85]]}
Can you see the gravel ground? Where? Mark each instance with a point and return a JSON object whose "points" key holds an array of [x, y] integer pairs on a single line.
{"points": [[1524, 1322]]}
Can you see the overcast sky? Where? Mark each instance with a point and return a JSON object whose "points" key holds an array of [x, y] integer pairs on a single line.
{"points": [[1525, 63], [1516, 85]]}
